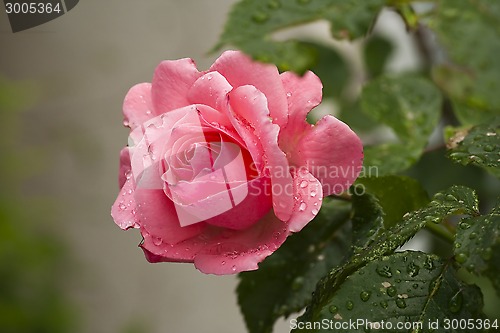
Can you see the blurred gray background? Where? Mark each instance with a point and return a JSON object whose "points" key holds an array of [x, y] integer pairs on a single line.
{"points": [[77, 70]]}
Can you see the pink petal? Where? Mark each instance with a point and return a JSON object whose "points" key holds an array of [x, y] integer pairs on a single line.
{"points": [[156, 250], [236, 252], [171, 82], [250, 117], [221, 251], [125, 167], [240, 70], [159, 218], [252, 201], [137, 106], [124, 210], [332, 152], [219, 121], [211, 90], [147, 144], [308, 199], [303, 94]]}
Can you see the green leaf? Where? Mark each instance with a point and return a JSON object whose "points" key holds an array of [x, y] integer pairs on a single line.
{"points": [[284, 281], [477, 244], [479, 146], [454, 201], [376, 53], [410, 106], [408, 286], [251, 24], [367, 220], [470, 76], [397, 195], [331, 68], [380, 202]]}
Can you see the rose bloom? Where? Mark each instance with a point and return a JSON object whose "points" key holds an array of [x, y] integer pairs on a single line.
{"points": [[221, 165]]}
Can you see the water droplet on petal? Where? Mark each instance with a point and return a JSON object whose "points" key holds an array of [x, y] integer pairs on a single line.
{"points": [[157, 241], [313, 194], [314, 211], [304, 184], [302, 206], [233, 268], [122, 206], [223, 263], [288, 94]]}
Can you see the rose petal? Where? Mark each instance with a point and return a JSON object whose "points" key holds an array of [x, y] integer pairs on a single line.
{"points": [[211, 90], [159, 218], [171, 82], [303, 94], [147, 145], [155, 250], [307, 199], [249, 115], [240, 251], [250, 203], [137, 106], [125, 167], [240, 70], [219, 121], [124, 210], [332, 152]]}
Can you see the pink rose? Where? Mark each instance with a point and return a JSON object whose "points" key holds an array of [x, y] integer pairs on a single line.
{"points": [[221, 165]]}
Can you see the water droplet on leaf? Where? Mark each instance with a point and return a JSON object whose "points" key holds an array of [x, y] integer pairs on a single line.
{"points": [[260, 17], [413, 269], [456, 302], [297, 283], [461, 258], [365, 295], [384, 271], [391, 291], [274, 4], [400, 302]]}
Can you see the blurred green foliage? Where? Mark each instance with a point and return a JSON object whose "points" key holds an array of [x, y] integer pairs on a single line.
{"points": [[33, 261]]}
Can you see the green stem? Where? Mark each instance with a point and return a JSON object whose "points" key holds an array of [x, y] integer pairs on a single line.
{"points": [[440, 232]]}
